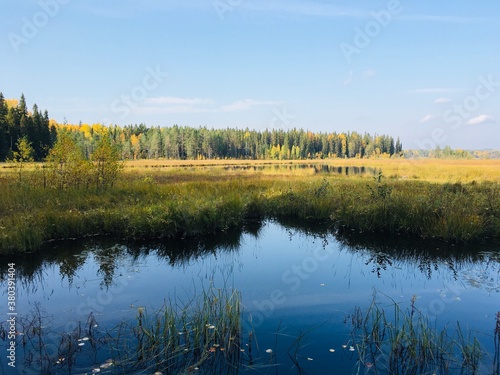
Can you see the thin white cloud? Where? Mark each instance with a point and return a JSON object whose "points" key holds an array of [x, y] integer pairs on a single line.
{"points": [[303, 8], [445, 19], [323, 9], [481, 119], [170, 104], [434, 90], [152, 110], [246, 104], [442, 100], [427, 118], [168, 100]]}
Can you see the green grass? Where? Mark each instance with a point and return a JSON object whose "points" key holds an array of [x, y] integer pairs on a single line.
{"points": [[182, 337], [180, 202], [204, 333], [396, 341]]}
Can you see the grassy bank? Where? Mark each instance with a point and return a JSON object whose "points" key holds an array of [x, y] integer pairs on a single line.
{"points": [[184, 201]]}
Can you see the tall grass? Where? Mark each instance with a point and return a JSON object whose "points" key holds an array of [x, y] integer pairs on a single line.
{"points": [[195, 201], [181, 338], [202, 334], [404, 342]]}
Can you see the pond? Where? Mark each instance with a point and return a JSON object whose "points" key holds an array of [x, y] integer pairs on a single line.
{"points": [[308, 298], [315, 168]]}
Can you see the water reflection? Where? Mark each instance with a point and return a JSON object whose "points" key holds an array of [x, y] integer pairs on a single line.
{"points": [[380, 251], [294, 278], [315, 168]]}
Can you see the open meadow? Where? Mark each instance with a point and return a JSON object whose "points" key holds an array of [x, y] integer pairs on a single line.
{"points": [[452, 200]]}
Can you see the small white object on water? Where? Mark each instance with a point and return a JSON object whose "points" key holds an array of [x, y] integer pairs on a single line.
{"points": [[309, 359], [344, 346], [332, 350], [211, 327], [351, 348], [85, 339], [81, 344], [269, 351], [96, 370]]}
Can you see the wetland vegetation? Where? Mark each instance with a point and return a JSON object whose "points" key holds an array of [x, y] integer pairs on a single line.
{"points": [[445, 200]]}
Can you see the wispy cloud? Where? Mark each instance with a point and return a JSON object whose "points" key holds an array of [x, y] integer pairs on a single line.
{"points": [[481, 119], [442, 100], [166, 100], [434, 90], [303, 8], [445, 18], [246, 104], [323, 9], [170, 104], [427, 118]]}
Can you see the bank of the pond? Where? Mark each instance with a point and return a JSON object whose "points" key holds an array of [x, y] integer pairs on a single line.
{"points": [[155, 208]]}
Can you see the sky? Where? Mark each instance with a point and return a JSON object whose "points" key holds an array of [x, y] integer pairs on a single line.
{"points": [[426, 71]]}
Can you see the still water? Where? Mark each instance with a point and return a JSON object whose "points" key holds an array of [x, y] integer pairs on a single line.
{"points": [[300, 291]]}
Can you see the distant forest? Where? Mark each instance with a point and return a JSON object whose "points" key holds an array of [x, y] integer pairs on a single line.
{"points": [[183, 142]]}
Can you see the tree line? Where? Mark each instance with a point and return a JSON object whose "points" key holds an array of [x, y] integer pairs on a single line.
{"points": [[17, 122], [183, 142]]}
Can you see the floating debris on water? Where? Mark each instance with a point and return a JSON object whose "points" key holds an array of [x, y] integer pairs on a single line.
{"points": [[106, 365], [332, 350], [269, 351]]}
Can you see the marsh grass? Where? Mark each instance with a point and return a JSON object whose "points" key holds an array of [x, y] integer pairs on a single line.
{"points": [[396, 341], [180, 338], [203, 334], [191, 201]]}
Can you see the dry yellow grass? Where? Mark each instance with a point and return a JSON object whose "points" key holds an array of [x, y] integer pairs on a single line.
{"points": [[432, 170]]}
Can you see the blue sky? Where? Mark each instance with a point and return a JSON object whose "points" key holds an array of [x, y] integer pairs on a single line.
{"points": [[427, 71]]}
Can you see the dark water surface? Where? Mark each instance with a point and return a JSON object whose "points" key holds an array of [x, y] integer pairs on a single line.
{"points": [[293, 283]]}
